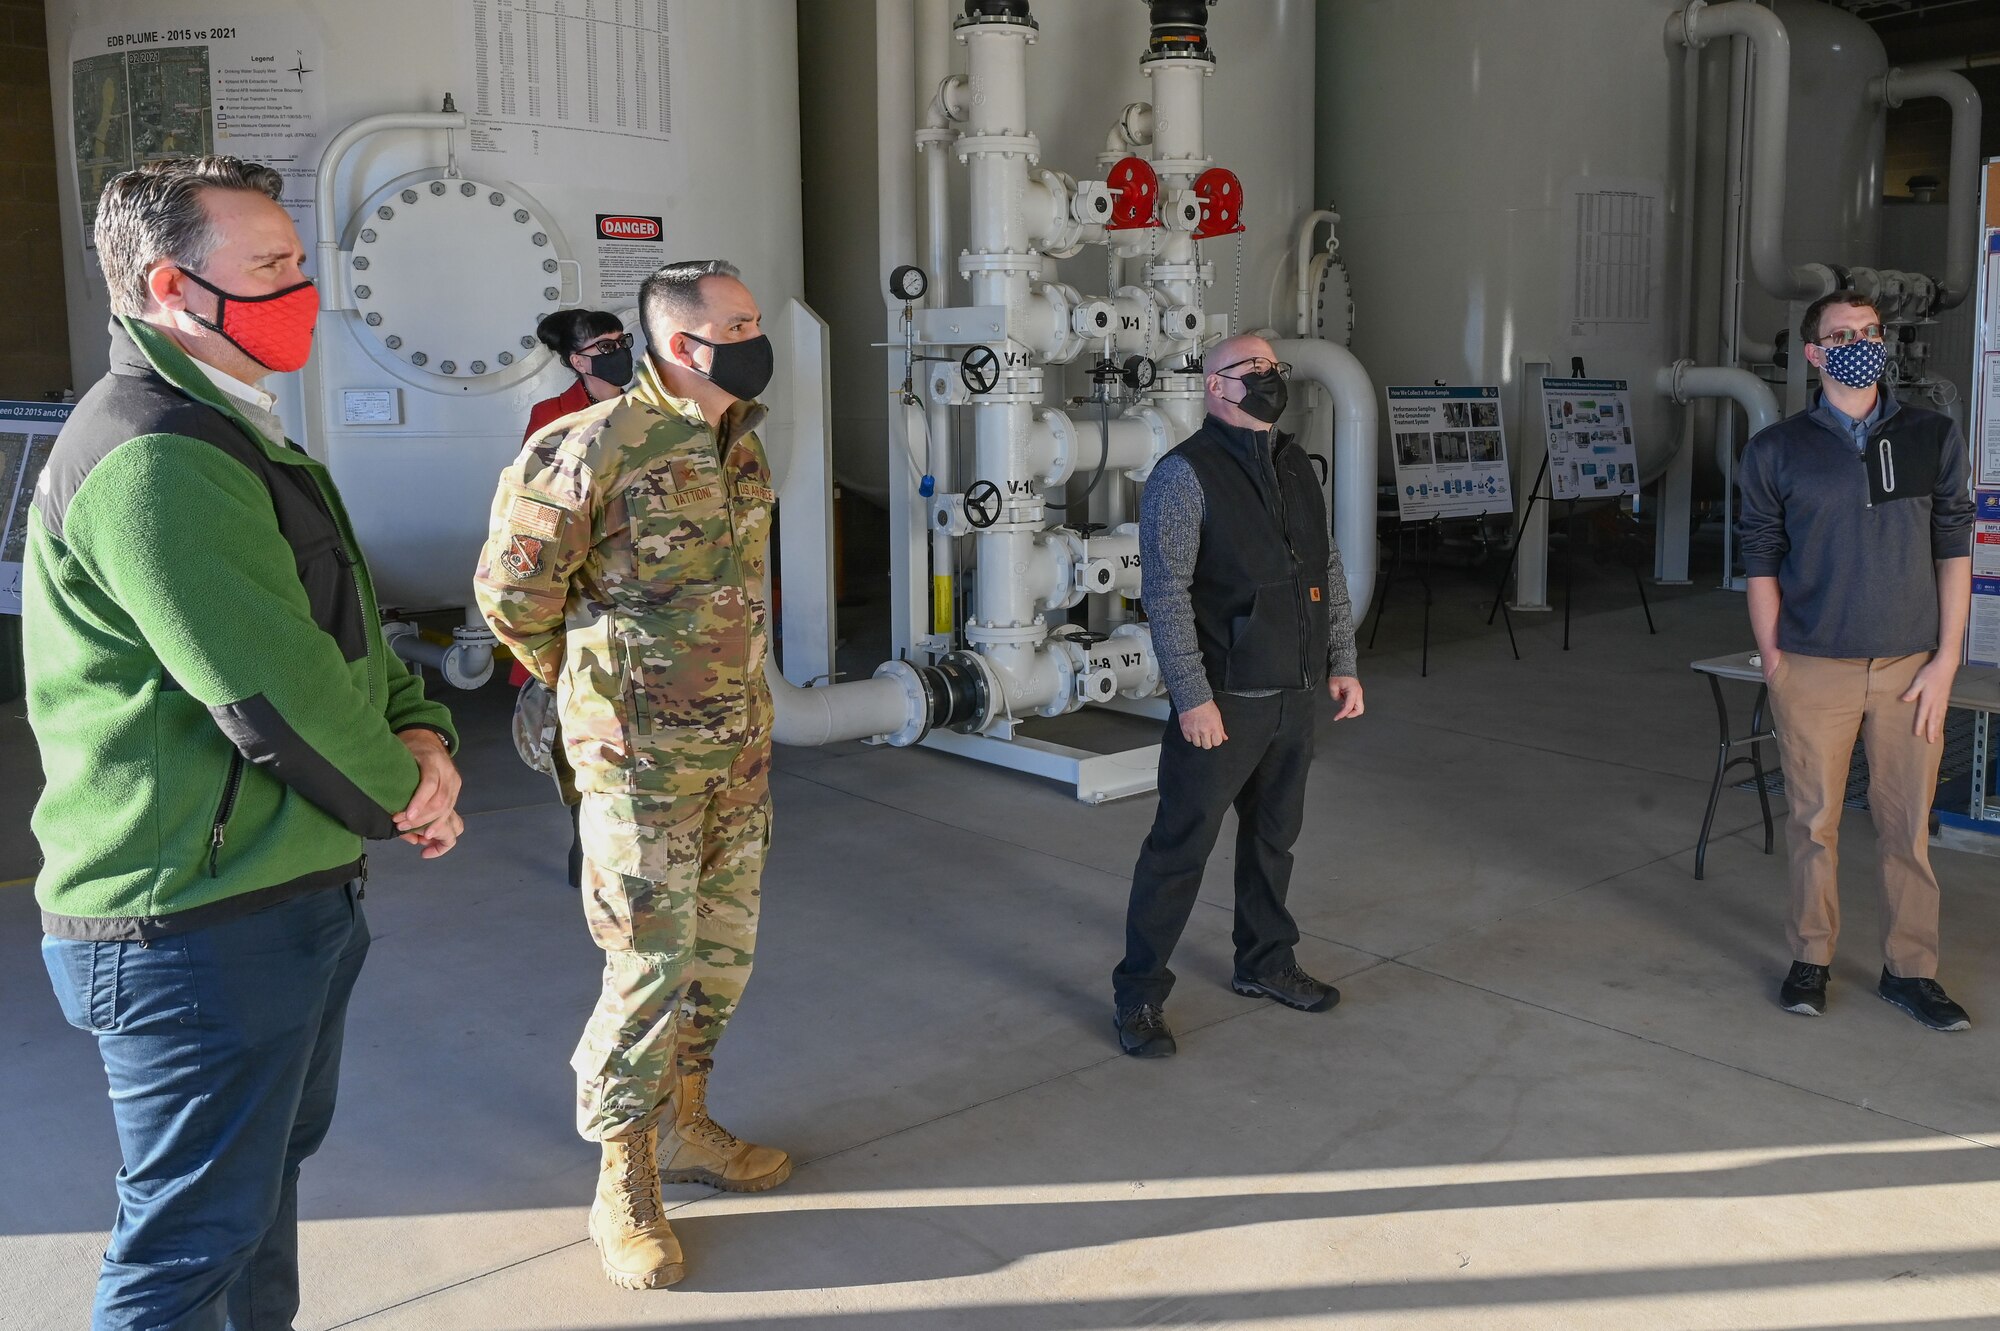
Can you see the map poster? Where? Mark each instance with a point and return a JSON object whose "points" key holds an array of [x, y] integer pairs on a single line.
{"points": [[1591, 455], [27, 433], [1451, 453], [145, 92]]}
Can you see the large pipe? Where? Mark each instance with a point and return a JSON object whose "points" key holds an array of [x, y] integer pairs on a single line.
{"points": [[857, 709], [1683, 381], [1962, 224], [1334, 368], [1770, 114], [327, 222], [895, 113]]}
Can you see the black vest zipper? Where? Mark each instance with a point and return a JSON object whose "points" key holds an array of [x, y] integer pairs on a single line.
{"points": [[1298, 586], [222, 812]]}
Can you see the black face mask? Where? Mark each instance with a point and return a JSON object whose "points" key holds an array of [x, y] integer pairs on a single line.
{"points": [[1264, 395], [740, 369], [613, 367]]}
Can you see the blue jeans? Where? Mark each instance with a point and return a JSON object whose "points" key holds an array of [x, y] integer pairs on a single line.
{"points": [[222, 1046]]}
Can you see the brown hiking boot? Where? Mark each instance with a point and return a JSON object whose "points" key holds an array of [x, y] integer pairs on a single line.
{"points": [[700, 1150], [627, 1222]]}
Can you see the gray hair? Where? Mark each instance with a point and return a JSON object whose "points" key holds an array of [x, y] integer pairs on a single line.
{"points": [[155, 212], [673, 294]]}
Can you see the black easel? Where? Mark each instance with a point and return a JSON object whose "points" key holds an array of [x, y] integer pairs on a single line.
{"points": [[1426, 541], [1569, 550]]}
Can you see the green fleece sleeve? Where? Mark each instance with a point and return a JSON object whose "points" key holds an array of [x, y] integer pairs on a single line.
{"points": [[409, 709], [185, 540]]}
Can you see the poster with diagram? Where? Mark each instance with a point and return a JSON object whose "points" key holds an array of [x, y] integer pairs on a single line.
{"points": [[249, 88], [1450, 451], [1589, 423], [27, 433]]}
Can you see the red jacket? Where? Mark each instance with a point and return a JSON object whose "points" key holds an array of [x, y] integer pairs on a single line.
{"points": [[572, 399]]}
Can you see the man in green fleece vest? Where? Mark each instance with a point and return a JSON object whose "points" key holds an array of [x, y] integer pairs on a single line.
{"points": [[221, 727]]}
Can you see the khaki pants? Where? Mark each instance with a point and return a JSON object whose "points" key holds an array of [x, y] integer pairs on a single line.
{"points": [[1819, 704]]}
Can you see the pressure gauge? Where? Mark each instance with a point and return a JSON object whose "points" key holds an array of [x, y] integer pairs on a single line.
{"points": [[908, 283], [1138, 373]]}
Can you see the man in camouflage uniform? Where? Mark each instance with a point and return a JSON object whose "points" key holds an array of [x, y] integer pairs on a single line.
{"points": [[626, 569]]}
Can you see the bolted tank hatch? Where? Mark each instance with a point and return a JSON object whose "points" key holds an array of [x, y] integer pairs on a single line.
{"points": [[447, 274]]}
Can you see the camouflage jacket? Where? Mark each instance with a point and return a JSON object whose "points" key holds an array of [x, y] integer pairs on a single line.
{"points": [[625, 566]]}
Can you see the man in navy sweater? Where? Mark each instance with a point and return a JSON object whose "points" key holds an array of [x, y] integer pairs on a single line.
{"points": [[1855, 522]]}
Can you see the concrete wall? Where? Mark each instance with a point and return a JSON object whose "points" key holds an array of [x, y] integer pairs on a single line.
{"points": [[34, 338]]}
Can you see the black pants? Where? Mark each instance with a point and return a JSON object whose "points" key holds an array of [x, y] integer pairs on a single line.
{"points": [[1261, 770]]}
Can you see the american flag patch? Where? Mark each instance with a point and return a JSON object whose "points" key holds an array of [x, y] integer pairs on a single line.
{"points": [[537, 519]]}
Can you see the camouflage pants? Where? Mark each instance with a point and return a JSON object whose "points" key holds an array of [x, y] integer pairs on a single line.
{"points": [[670, 891]]}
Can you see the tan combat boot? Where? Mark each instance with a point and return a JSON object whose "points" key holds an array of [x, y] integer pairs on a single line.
{"points": [[700, 1150], [627, 1223]]}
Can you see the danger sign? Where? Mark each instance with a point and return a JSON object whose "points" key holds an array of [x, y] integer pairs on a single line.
{"points": [[625, 226]]}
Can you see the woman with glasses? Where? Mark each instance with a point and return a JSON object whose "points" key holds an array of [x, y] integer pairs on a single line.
{"points": [[595, 347]]}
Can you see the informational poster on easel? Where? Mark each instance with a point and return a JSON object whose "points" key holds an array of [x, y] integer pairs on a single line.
{"points": [[1982, 636], [27, 433], [1589, 423], [1986, 453], [1451, 452]]}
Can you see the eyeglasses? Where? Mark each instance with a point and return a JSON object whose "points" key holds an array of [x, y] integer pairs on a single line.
{"points": [[1847, 337], [623, 342], [1258, 365]]}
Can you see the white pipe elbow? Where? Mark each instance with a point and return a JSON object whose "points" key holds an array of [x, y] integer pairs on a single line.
{"points": [[1684, 381], [466, 662], [327, 219], [1770, 113], [879, 708], [1962, 188], [1355, 447]]}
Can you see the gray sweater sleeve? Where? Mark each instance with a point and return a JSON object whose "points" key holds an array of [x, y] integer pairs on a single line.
{"points": [[1170, 513], [1340, 655]]}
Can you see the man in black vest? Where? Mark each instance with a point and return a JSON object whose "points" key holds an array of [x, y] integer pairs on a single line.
{"points": [[1249, 612]]}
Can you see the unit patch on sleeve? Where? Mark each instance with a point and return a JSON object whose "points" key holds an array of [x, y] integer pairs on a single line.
{"points": [[523, 558], [533, 517]]}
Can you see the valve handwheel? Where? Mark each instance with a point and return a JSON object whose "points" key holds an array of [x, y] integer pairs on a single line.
{"points": [[979, 369], [1138, 189], [982, 504], [1221, 195]]}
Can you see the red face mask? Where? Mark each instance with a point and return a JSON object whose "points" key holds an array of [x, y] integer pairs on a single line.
{"points": [[276, 330]]}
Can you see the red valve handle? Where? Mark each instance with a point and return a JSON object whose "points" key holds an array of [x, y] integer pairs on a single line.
{"points": [[1136, 187], [1221, 195]]}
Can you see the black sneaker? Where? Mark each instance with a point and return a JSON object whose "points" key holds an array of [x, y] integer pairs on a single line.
{"points": [[1290, 986], [1925, 1000], [1804, 990], [1143, 1033]]}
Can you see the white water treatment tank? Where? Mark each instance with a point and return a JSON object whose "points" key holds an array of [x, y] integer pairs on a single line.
{"points": [[1505, 177], [601, 140]]}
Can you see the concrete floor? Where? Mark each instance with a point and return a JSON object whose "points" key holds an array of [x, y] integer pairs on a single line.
{"points": [[1558, 1091]]}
